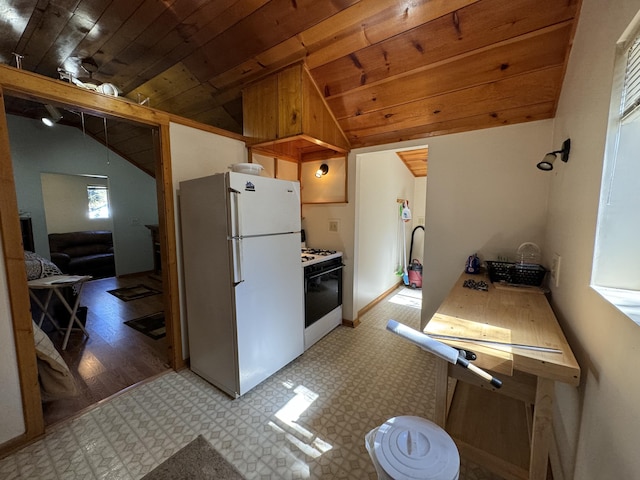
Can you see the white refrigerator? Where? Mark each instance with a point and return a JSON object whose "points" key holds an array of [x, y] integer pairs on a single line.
{"points": [[243, 277]]}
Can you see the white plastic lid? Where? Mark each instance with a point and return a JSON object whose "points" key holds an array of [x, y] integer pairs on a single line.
{"points": [[414, 448]]}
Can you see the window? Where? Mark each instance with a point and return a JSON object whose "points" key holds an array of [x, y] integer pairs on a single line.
{"points": [[615, 274], [98, 201]]}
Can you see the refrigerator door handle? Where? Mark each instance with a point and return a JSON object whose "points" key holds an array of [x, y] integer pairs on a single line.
{"points": [[236, 235], [237, 261], [234, 202]]}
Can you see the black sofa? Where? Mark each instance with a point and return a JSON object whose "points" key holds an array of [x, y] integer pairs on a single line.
{"points": [[83, 253]]}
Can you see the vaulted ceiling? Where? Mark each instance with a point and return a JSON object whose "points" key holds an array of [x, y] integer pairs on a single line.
{"points": [[389, 70]]}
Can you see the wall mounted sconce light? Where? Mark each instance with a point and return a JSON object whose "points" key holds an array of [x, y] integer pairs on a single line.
{"points": [[323, 170], [54, 116], [547, 162]]}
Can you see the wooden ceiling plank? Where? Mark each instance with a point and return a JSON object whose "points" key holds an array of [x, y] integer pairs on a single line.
{"points": [[276, 21], [70, 37], [14, 20], [122, 134], [196, 30], [145, 161], [487, 49], [190, 101], [105, 28], [346, 21], [450, 43], [329, 32], [470, 28], [505, 60], [91, 9], [49, 25], [371, 25], [162, 36], [527, 89], [219, 116], [265, 63], [146, 13], [415, 160], [171, 83], [527, 113]]}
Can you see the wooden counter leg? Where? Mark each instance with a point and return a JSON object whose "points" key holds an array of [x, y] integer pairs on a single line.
{"points": [[442, 377], [542, 425]]}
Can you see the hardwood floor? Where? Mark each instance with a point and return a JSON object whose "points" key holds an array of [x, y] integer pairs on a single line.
{"points": [[115, 356]]}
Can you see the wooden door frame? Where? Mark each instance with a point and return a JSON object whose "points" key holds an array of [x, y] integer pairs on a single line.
{"points": [[27, 85]]}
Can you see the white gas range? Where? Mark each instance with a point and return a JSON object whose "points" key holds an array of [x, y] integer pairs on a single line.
{"points": [[322, 292], [311, 256]]}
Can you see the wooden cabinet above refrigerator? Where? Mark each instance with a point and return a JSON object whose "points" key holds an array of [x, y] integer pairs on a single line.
{"points": [[285, 116]]}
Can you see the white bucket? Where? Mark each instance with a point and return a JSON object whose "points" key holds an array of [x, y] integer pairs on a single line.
{"points": [[412, 448]]}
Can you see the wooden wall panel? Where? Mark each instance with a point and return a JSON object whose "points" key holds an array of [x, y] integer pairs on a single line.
{"points": [[290, 102], [299, 108], [260, 109], [319, 121]]}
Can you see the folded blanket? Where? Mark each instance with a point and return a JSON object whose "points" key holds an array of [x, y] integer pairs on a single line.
{"points": [[56, 381]]}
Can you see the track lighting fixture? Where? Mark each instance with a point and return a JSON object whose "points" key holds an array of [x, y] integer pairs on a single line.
{"points": [[54, 116]]}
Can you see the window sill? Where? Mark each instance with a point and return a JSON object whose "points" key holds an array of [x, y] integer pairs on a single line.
{"points": [[627, 301]]}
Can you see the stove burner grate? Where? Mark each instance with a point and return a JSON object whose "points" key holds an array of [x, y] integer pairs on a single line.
{"points": [[317, 251]]}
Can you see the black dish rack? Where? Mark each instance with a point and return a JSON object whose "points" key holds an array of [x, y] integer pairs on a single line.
{"points": [[530, 274]]}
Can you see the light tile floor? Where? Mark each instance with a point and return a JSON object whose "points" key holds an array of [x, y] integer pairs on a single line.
{"points": [[308, 421]]}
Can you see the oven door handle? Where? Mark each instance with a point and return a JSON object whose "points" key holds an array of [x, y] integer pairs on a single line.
{"points": [[311, 277]]}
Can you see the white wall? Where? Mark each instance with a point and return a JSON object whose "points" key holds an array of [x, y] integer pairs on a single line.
{"points": [[12, 416], [597, 426], [61, 149], [65, 203], [326, 189], [195, 154], [485, 196], [382, 180], [418, 209]]}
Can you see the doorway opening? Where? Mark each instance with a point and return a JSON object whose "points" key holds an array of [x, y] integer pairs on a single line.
{"points": [[114, 356]]}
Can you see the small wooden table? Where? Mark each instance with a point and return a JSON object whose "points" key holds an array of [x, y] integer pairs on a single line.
{"points": [[54, 284], [507, 430]]}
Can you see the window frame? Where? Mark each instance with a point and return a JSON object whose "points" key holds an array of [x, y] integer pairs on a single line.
{"points": [[98, 187], [626, 300]]}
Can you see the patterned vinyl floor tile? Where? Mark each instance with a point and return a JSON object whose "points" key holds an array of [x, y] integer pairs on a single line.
{"points": [[308, 421]]}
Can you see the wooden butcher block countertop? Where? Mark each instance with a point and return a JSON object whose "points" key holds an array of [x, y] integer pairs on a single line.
{"points": [[519, 323]]}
